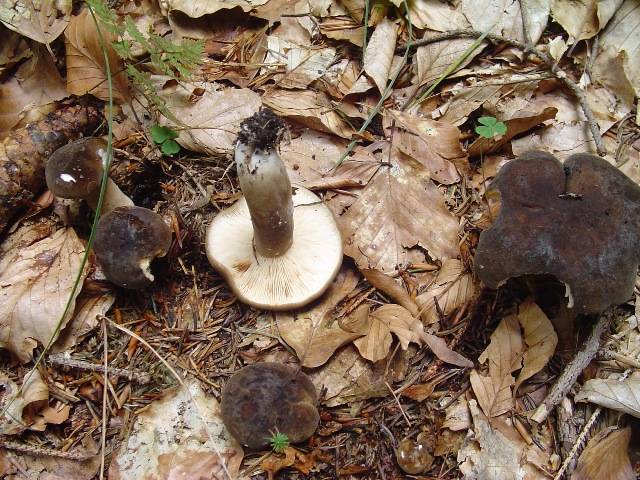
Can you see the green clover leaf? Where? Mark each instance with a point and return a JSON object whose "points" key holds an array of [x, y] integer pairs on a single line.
{"points": [[170, 147], [160, 134], [490, 127]]}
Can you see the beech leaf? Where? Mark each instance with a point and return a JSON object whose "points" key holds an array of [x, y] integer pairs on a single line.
{"points": [[378, 57], [622, 396]]}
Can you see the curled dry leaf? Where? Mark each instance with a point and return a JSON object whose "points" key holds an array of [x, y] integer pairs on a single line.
{"points": [[391, 287], [193, 444], [213, 121], [452, 288], [40, 20], [35, 284], [539, 337], [399, 209], [312, 109], [14, 402], [583, 20], [436, 145], [622, 396], [314, 333], [86, 70], [606, 456], [504, 356], [378, 56]]}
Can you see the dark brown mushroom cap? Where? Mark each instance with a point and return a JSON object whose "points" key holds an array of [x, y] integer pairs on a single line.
{"points": [[75, 170], [578, 222], [127, 240], [265, 398]]}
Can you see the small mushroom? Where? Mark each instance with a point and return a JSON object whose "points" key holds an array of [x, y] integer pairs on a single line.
{"points": [[127, 240], [262, 399], [75, 171], [276, 248], [578, 222]]}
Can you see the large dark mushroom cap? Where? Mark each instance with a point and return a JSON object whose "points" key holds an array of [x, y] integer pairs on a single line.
{"points": [[75, 170], [266, 398], [127, 240], [578, 222]]}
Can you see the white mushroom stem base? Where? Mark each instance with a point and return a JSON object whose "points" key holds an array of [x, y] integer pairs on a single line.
{"points": [[290, 280]]}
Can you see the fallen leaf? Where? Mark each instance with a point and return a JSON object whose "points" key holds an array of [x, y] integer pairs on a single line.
{"points": [[384, 321], [32, 91], [15, 401], [291, 457], [35, 284], [496, 16], [343, 29], [40, 20], [515, 126], [399, 209], [440, 349], [313, 332], [433, 59], [452, 288], [504, 356], [466, 100], [539, 337], [436, 145], [559, 139], [498, 452], [557, 47], [312, 109], [198, 8], [622, 396], [584, 19], [606, 456], [192, 444], [213, 121], [389, 286], [86, 70], [457, 415], [378, 57]]}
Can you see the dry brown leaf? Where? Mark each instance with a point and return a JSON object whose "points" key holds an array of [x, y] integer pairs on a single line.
{"points": [[434, 144], [619, 44], [214, 119], [13, 49], [191, 444], [19, 406], [440, 349], [504, 356], [434, 59], [540, 339], [398, 210], [389, 286], [458, 416], [314, 333], [466, 100], [497, 16], [559, 139], [86, 70], [312, 109], [388, 319], [584, 19], [343, 28], [498, 452], [515, 126], [606, 456], [198, 8], [35, 283], [40, 20], [622, 396], [378, 56], [33, 90], [452, 288]]}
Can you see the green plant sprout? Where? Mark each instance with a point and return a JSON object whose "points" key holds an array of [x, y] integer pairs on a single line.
{"points": [[164, 137], [279, 441], [490, 127]]}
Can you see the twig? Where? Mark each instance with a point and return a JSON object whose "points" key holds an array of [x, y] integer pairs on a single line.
{"points": [[42, 451], [574, 368], [133, 375], [578, 445], [105, 392], [557, 72]]}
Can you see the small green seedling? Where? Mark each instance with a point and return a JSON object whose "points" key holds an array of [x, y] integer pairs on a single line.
{"points": [[490, 127], [164, 137], [279, 442]]}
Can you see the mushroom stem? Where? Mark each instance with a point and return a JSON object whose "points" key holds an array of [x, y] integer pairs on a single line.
{"points": [[113, 198], [265, 184]]}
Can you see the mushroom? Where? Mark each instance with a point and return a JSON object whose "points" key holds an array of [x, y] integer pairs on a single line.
{"points": [[127, 240], [262, 399], [278, 247], [578, 222], [75, 171]]}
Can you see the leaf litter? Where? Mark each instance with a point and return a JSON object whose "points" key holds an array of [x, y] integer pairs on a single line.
{"points": [[393, 344]]}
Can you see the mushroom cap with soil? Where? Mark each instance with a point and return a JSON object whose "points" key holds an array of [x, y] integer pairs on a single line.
{"points": [[127, 240], [578, 221], [262, 399], [75, 171], [278, 247]]}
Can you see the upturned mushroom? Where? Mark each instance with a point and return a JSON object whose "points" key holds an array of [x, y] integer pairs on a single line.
{"points": [[278, 247], [75, 171], [127, 240], [265, 398]]}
